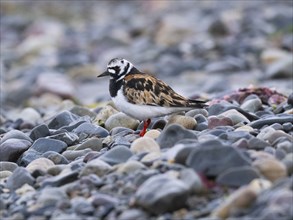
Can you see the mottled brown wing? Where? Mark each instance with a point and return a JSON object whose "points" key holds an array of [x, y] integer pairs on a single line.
{"points": [[145, 89]]}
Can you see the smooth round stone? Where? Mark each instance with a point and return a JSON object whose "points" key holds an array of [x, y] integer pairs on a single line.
{"points": [[57, 169], [200, 118], [42, 164], [97, 167], [121, 120], [99, 199], [73, 154], [67, 137], [201, 126], [19, 177], [238, 176], [185, 121], [280, 154], [39, 131], [257, 144], [246, 128], [242, 143], [43, 145], [277, 126], [192, 180], [153, 133], [55, 157], [4, 174], [240, 199], [130, 167], [151, 157], [30, 115], [288, 161], [182, 154], [235, 116], [160, 194], [251, 105], [91, 129], [116, 155], [51, 196], [272, 169], [104, 114], [81, 206], [288, 126], [133, 214], [81, 111], [15, 134], [265, 133], [172, 134], [9, 166], [96, 144], [215, 121], [285, 145], [62, 119], [277, 134], [194, 112], [270, 150], [144, 144], [209, 159], [12, 148]]}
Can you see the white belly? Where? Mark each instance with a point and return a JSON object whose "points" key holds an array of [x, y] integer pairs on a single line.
{"points": [[141, 112]]}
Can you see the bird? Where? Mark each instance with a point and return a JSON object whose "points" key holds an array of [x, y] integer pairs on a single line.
{"points": [[143, 96]]}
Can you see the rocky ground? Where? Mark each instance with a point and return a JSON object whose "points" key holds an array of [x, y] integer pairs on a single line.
{"points": [[67, 153]]}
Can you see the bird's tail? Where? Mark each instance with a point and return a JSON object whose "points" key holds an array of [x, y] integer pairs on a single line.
{"points": [[197, 103]]}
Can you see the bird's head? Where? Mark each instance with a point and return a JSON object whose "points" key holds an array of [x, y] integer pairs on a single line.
{"points": [[118, 68]]}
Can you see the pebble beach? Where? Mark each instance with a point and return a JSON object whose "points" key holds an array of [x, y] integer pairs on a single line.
{"points": [[66, 152]]}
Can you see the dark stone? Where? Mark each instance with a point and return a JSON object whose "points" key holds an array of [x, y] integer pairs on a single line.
{"points": [[61, 179], [213, 160], [160, 194], [39, 131], [91, 130], [172, 134], [55, 157], [238, 176], [64, 118]]}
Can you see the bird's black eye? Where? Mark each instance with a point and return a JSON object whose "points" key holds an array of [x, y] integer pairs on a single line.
{"points": [[122, 61]]}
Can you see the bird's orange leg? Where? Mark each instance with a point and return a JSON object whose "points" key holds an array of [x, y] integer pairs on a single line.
{"points": [[146, 123]]}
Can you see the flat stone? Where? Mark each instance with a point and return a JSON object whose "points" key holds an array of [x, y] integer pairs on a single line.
{"points": [[9, 166], [39, 131], [43, 145], [73, 154], [96, 144], [62, 119], [91, 130], [116, 155], [185, 121], [60, 179], [238, 176]]}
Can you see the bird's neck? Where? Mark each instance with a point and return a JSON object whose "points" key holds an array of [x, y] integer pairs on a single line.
{"points": [[114, 86]]}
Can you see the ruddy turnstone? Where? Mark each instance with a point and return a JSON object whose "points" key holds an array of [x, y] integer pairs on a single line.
{"points": [[142, 96]]}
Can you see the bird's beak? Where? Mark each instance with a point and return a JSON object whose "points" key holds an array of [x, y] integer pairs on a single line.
{"points": [[106, 73]]}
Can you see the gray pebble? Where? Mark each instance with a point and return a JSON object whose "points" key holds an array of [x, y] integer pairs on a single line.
{"points": [[172, 134], [43, 145], [39, 131], [64, 118], [19, 177], [161, 193], [116, 155], [12, 148]]}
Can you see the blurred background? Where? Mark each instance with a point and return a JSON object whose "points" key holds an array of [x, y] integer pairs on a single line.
{"points": [[53, 50]]}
